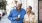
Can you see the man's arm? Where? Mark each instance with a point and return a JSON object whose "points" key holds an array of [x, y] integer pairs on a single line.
{"points": [[23, 13], [10, 17]]}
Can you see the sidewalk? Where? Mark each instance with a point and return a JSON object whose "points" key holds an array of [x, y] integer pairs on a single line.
{"points": [[5, 19]]}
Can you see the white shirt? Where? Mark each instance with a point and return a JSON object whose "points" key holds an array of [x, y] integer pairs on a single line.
{"points": [[30, 18]]}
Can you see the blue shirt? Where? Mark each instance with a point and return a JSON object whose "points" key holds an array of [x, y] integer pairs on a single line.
{"points": [[14, 13]]}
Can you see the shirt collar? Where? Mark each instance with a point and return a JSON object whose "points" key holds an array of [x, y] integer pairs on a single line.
{"points": [[20, 10]]}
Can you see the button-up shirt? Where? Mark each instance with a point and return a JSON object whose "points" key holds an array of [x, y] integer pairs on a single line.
{"points": [[14, 13]]}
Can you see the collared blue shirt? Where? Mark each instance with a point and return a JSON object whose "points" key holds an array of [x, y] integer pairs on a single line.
{"points": [[14, 13]]}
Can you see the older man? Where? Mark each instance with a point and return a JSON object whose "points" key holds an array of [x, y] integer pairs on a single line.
{"points": [[17, 15]]}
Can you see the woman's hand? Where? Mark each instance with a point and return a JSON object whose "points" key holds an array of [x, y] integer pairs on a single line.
{"points": [[26, 22]]}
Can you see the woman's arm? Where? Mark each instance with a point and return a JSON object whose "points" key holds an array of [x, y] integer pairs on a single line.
{"points": [[34, 19], [26, 22], [25, 19]]}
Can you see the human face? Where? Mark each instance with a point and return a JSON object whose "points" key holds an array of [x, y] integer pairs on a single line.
{"points": [[28, 9], [18, 7]]}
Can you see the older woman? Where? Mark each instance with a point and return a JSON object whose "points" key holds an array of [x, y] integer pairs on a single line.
{"points": [[29, 16]]}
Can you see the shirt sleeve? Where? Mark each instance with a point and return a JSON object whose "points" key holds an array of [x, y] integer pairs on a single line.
{"points": [[34, 19], [26, 18], [10, 16], [23, 13]]}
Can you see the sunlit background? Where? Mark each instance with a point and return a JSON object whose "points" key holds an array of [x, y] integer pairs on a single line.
{"points": [[25, 4]]}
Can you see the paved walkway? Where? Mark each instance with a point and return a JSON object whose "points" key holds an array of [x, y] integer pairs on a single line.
{"points": [[5, 19]]}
